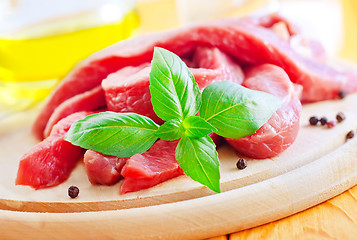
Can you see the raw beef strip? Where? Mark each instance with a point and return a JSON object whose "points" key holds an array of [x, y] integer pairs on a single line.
{"points": [[128, 89], [154, 166], [84, 77], [62, 127], [103, 169], [130, 94], [281, 129], [214, 65], [50, 162], [291, 34], [248, 43], [143, 170], [87, 101]]}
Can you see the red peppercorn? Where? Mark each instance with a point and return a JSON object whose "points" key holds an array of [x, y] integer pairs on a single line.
{"points": [[331, 124]]}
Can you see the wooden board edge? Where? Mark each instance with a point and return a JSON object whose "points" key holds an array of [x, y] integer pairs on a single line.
{"points": [[231, 211]]}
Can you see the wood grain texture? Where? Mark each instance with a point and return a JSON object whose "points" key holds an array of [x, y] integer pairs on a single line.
{"points": [[333, 219], [218, 238]]}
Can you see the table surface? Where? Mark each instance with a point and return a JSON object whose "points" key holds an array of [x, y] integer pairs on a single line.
{"points": [[333, 219]]}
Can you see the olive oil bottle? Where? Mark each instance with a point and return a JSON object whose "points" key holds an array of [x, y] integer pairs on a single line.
{"points": [[34, 58], [349, 46]]}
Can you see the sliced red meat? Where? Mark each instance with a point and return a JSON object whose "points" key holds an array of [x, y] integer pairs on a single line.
{"points": [[281, 129], [142, 170], [50, 162], [103, 169], [61, 128], [84, 77], [250, 42], [214, 65], [87, 101], [130, 93], [247, 42], [305, 47], [128, 89], [156, 165]]}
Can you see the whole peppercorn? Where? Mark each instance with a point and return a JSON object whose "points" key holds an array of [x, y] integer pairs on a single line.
{"points": [[323, 121], [350, 134], [342, 94], [331, 124], [313, 120], [241, 164], [73, 191], [340, 117]]}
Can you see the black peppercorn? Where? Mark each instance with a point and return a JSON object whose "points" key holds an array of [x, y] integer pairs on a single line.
{"points": [[313, 120], [241, 164], [73, 191], [340, 117], [350, 134], [323, 121], [342, 94]]}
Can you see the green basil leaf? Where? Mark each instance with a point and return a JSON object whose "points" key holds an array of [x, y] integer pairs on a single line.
{"points": [[116, 134], [236, 111], [174, 92], [198, 158], [197, 127], [171, 130]]}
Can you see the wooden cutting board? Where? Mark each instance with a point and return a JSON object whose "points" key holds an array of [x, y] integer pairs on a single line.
{"points": [[319, 165]]}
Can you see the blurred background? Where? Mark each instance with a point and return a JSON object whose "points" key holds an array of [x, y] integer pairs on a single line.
{"points": [[41, 40]]}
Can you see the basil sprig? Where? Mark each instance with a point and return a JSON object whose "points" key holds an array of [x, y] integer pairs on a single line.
{"points": [[225, 108], [235, 110], [117, 134], [174, 92]]}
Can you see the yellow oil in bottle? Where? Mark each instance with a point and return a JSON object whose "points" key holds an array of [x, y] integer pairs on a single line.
{"points": [[349, 48], [31, 67]]}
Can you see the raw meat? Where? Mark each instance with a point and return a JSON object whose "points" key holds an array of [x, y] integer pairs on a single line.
{"points": [[154, 166], [291, 34], [268, 47], [248, 42], [128, 89], [50, 162], [131, 93], [90, 100], [103, 169], [282, 128]]}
